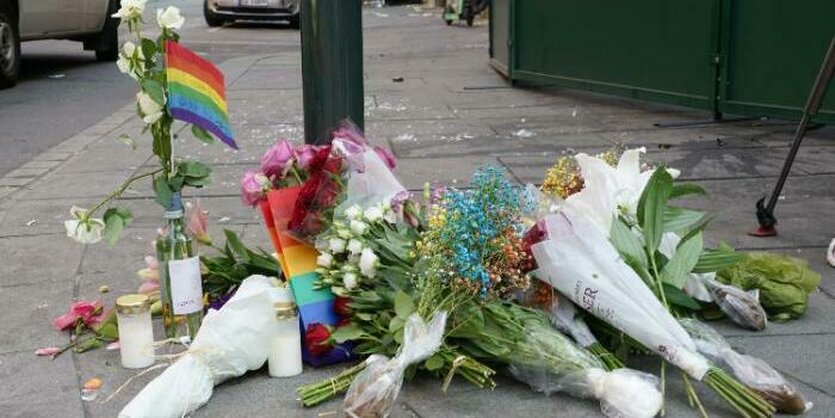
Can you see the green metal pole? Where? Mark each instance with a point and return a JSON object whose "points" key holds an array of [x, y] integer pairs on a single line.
{"points": [[332, 77]]}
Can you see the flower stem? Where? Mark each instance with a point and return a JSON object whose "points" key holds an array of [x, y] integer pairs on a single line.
{"points": [[121, 189]]}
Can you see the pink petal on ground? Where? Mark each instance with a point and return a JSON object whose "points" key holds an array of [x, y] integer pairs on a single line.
{"points": [[113, 346], [47, 351]]}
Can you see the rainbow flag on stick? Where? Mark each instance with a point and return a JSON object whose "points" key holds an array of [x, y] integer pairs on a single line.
{"points": [[196, 93]]}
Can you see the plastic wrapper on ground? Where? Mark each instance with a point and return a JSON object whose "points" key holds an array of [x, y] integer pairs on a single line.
{"points": [[374, 392], [753, 372], [231, 341]]}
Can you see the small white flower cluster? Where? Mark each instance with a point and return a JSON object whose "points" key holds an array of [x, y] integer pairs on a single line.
{"points": [[345, 257]]}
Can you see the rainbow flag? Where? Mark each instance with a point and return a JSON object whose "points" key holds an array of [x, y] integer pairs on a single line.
{"points": [[196, 93]]}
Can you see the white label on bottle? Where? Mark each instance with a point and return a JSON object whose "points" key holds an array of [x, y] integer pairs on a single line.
{"points": [[186, 286]]}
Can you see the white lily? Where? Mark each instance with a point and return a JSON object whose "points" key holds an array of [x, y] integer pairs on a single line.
{"points": [[609, 190], [170, 18], [149, 109], [84, 229]]}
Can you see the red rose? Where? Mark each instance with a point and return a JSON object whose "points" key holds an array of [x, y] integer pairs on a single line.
{"points": [[317, 339], [340, 306], [343, 322]]}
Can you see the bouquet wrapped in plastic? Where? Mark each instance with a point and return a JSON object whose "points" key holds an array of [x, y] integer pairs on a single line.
{"points": [[753, 372], [374, 391], [230, 342], [578, 260]]}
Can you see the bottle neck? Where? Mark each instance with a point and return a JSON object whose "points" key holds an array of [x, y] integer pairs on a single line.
{"points": [[175, 210]]}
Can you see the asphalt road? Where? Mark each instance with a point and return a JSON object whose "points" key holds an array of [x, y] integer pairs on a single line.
{"points": [[63, 89]]}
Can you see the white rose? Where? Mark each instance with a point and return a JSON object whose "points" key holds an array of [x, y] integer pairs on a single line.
{"points": [[337, 245], [170, 18], [324, 260], [358, 227], [131, 60], [349, 280], [353, 212], [83, 229], [373, 214], [149, 110], [130, 9], [368, 263], [354, 246]]}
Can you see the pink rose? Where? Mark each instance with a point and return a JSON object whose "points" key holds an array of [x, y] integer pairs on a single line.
{"points": [[386, 156], [305, 154], [275, 160], [253, 187], [88, 312]]}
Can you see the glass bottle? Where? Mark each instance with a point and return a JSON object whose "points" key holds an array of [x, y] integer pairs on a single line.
{"points": [[136, 333], [181, 288], [285, 357]]}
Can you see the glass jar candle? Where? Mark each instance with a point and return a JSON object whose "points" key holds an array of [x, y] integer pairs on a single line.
{"points": [[286, 347], [136, 333]]}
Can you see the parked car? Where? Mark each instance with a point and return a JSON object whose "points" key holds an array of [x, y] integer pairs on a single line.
{"points": [[218, 12], [87, 21]]}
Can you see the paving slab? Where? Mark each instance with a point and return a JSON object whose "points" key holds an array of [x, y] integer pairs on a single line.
{"points": [[38, 387]]}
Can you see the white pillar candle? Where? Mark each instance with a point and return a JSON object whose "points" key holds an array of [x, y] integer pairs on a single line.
{"points": [[285, 357], [136, 333]]}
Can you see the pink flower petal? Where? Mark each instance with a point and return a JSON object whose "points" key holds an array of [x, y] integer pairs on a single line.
{"points": [[47, 351], [65, 321], [148, 287], [113, 346]]}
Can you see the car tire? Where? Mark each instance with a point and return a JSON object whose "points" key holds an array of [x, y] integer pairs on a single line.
{"points": [[9, 46], [212, 19], [294, 21], [107, 45]]}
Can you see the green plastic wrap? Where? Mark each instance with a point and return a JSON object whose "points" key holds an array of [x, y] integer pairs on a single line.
{"points": [[784, 282]]}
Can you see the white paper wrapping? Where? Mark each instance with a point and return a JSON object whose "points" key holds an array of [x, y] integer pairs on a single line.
{"points": [[579, 261], [230, 342]]}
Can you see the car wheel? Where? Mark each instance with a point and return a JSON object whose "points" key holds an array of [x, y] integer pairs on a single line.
{"points": [[294, 21], [9, 47], [107, 45], [212, 19]]}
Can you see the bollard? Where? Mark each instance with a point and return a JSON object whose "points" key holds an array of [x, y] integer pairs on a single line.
{"points": [[332, 77]]}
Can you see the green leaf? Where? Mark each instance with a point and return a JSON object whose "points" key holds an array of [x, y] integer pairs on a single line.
{"points": [[149, 48], [687, 254], [677, 297], [627, 244], [396, 324], [88, 345], [681, 220], [434, 363], [163, 191], [154, 89], [651, 208], [201, 134], [191, 168], [403, 305], [236, 245], [716, 260], [684, 189], [109, 331], [127, 140], [347, 333], [115, 221]]}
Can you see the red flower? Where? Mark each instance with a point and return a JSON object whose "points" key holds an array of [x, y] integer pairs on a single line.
{"points": [[317, 339], [340, 306], [343, 322]]}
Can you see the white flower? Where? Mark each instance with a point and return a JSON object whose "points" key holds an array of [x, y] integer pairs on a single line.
{"points": [[131, 60], [358, 227], [373, 214], [170, 18], [611, 189], [368, 262], [353, 212], [84, 229], [130, 9], [830, 253], [354, 246], [349, 280], [324, 260], [336, 245], [149, 110]]}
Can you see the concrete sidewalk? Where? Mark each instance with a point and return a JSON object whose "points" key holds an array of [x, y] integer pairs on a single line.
{"points": [[432, 98]]}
